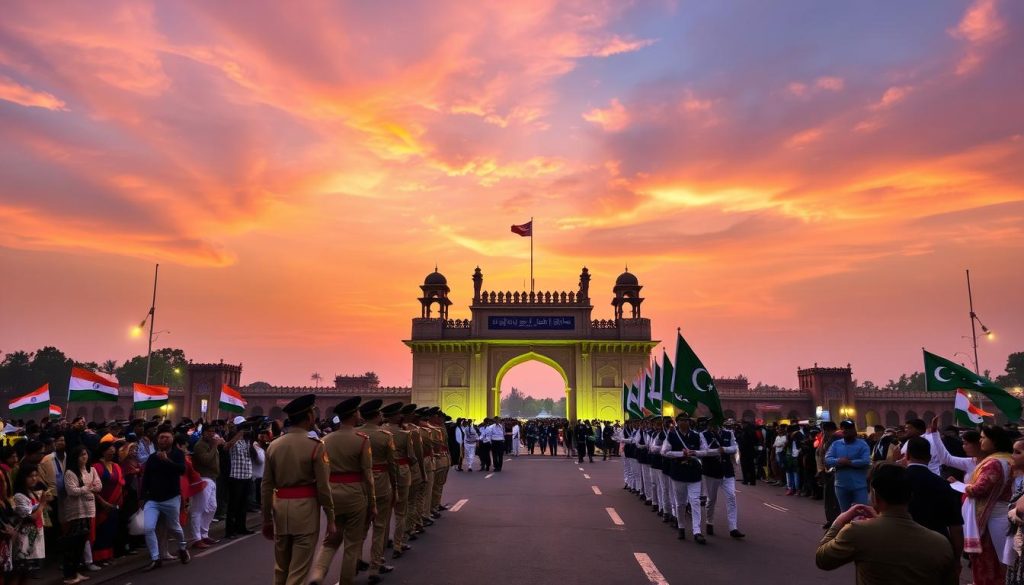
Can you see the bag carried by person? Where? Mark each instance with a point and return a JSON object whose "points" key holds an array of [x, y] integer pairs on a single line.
{"points": [[137, 523]]}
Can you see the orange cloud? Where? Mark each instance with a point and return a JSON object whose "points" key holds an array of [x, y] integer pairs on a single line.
{"points": [[979, 27], [611, 119], [17, 93]]}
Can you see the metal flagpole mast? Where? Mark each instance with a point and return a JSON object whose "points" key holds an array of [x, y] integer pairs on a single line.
{"points": [[152, 317], [974, 333], [531, 254]]}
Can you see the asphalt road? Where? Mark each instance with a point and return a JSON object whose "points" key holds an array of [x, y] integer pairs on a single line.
{"points": [[543, 520]]}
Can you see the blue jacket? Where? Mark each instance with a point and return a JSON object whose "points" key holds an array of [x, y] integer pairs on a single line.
{"points": [[859, 455]]}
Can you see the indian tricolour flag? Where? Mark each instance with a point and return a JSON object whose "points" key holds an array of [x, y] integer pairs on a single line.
{"points": [[147, 397], [87, 385], [34, 400], [967, 414], [56, 411], [231, 399]]}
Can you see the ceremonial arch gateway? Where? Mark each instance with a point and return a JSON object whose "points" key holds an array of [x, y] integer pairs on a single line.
{"points": [[459, 363]]}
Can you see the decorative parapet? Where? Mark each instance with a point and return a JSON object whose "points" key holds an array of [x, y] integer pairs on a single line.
{"points": [[540, 298], [458, 324], [726, 392], [268, 390], [898, 395]]}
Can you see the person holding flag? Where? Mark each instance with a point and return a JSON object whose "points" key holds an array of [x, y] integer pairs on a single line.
{"points": [[942, 375], [692, 384], [682, 446], [38, 399]]}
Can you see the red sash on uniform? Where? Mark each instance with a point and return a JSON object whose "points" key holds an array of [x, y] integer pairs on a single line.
{"points": [[296, 492], [349, 477], [402, 461], [380, 467]]}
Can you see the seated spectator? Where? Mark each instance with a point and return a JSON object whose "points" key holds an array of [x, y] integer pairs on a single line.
{"points": [[883, 540]]}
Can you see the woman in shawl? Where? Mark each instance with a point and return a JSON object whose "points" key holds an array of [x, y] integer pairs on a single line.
{"points": [[988, 494], [108, 502], [128, 459], [29, 545]]}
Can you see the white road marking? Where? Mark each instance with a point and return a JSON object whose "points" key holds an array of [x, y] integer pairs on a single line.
{"points": [[581, 469], [616, 519], [653, 574], [597, 490], [776, 508], [585, 476], [489, 476], [214, 549], [458, 505]]}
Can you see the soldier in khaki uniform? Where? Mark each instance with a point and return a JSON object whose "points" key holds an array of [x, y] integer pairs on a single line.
{"points": [[443, 460], [382, 447], [404, 458], [295, 487], [352, 488], [424, 496], [413, 522]]}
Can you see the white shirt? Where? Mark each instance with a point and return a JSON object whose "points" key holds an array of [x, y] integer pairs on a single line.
{"points": [[259, 462], [942, 457], [515, 431]]}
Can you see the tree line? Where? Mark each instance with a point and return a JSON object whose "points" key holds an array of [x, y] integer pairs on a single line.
{"points": [[518, 404], [23, 371]]}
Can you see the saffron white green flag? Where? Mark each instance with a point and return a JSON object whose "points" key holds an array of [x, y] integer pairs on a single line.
{"points": [[87, 385], [147, 397], [37, 399], [967, 414], [231, 399]]}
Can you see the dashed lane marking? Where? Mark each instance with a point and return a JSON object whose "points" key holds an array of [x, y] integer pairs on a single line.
{"points": [[458, 505], [597, 490], [489, 476], [616, 519], [653, 574], [221, 547], [776, 508], [586, 476], [581, 469]]}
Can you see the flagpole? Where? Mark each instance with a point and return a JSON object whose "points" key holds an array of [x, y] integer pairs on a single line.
{"points": [[974, 332], [152, 317], [531, 254]]}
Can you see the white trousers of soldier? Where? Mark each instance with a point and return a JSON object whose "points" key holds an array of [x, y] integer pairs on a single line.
{"points": [[515, 446], [645, 481], [656, 484], [728, 485], [630, 472], [666, 492], [688, 492]]}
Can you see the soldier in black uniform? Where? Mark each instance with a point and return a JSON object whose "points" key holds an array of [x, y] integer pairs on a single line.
{"points": [[718, 447], [682, 446], [580, 433]]}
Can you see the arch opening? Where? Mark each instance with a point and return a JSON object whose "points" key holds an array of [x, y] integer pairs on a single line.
{"points": [[541, 387]]}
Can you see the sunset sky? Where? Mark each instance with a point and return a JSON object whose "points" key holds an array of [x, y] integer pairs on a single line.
{"points": [[792, 182]]}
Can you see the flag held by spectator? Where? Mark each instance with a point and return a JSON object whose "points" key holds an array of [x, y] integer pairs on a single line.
{"points": [[87, 385], [967, 414], [525, 230], [56, 411], [34, 400], [231, 399], [147, 397], [941, 374]]}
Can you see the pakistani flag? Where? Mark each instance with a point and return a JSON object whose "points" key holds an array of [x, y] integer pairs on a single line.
{"points": [[666, 376], [967, 414], [693, 384], [633, 408], [944, 375], [652, 398]]}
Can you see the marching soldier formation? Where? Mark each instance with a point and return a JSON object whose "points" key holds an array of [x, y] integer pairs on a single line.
{"points": [[678, 471], [380, 462]]}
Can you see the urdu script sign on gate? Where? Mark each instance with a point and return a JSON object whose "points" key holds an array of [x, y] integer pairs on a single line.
{"points": [[567, 323]]}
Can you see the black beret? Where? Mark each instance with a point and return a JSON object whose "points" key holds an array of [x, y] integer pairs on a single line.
{"points": [[347, 408], [370, 407], [408, 408], [300, 404], [422, 411], [391, 409]]}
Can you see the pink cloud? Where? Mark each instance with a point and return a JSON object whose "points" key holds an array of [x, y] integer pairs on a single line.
{"points": [[979, 27], [611, 119], [618, 45], [17, 93]]}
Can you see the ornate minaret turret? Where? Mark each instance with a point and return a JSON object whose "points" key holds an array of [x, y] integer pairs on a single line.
{"points": [[435, 290], [583, 297], [478, 281], [627, 291]]}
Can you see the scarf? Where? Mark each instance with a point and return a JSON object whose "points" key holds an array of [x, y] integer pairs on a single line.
{"points": [[976, 516]]}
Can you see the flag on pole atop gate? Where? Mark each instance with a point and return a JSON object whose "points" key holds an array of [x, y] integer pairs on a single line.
{"points": [[525, 230], [35, 400], [231, 399], [86, 385], [147, 397]]}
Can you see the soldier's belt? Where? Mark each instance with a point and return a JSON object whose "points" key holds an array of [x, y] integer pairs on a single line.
{"points": [[380, 467], [349, 477], [296, 492]]}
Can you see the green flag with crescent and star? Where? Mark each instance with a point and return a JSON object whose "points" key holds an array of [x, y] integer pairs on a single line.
{"points": [[633, 409], [693, 383], [652, 398], [941, 375], [666, 378]]}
